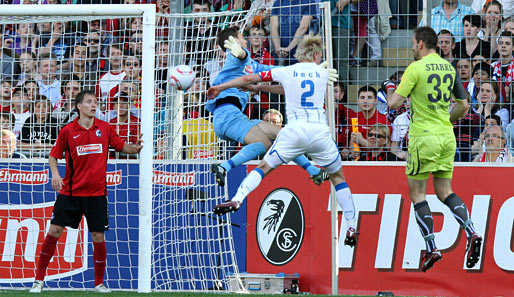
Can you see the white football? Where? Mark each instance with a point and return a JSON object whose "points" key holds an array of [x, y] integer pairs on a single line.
{"points": [[182, 77]]}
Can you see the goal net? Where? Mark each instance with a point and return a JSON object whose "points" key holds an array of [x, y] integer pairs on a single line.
{"points": [[193, 145], [163, 235]]}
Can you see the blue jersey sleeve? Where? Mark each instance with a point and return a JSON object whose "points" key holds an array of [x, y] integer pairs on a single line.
{"points": [[232, 68]]}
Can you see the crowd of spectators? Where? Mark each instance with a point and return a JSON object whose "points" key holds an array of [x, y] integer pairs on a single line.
{"points": [[479, 44], [45, 64]]}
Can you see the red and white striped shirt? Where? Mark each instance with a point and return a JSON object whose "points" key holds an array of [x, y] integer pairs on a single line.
{"points": [[497, 72], [108, 84], [503, 157]]}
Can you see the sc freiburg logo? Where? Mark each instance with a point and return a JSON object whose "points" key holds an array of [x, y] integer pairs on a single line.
{"points": [[280, 226]]}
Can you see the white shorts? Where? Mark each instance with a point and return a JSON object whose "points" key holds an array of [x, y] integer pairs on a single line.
{"points": [[313, 140]]}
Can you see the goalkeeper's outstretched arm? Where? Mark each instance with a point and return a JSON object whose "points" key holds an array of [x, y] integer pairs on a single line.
{"points": [[275, 89], [235, 48], [241, 81]]}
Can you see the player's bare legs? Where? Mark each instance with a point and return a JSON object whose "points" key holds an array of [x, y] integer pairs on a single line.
{"points": [[55, 230], [262, 132], [443, 190], [345, 200], [417, 190], [442, 187], [265, 168], [257, 142], [46, 254]]}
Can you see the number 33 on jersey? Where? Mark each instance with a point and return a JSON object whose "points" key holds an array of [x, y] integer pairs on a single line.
{"points": [[430, 83]]}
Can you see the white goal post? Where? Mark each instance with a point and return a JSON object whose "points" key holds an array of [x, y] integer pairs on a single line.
{"points": [[148, 14], [164, 236]]}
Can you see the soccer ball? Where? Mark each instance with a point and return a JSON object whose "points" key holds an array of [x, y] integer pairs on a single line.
{"points": [[182, 77]]}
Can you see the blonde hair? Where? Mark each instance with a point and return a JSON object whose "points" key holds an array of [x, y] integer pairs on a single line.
{"points": [[12, 139], [10, 134], [381, 128], [274, 111], [309, 45]]}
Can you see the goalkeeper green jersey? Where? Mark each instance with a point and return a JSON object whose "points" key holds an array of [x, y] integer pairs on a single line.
{"points": [[429, 83]]}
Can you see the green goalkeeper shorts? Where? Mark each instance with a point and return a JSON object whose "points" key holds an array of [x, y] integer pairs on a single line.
{"points": [[431, 154]]}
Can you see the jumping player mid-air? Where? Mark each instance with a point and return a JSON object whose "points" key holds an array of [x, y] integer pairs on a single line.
{"points": [[430, 82], [229, 121], [306, 132]]}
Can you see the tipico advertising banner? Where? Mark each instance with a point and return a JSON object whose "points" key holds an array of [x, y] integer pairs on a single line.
{"points": [[289, 231]]}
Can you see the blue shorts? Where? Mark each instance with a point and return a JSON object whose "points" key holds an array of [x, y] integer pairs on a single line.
{"points": [[231, 124]]}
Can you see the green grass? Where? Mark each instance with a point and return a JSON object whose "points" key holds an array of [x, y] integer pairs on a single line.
{"points": [[5, 293]]}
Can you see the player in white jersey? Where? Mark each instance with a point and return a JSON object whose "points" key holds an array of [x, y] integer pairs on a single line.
{"points": [[306, 132]]}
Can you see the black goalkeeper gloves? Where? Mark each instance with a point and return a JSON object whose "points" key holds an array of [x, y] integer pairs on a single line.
{"points": [[388, 85]]}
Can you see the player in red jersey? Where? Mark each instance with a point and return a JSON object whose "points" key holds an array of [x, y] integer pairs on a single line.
{"points": [[85, 144]]}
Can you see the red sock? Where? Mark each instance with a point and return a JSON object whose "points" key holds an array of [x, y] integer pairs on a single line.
{"points": [[99, 256], [46, 254]]}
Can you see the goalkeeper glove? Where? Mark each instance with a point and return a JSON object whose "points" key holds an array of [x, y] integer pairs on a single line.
{"points": [[332, 73], [235, 48], [388, 85]]}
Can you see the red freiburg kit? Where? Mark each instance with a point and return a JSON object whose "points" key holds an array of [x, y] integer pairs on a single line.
{"points": [[86, 152]]}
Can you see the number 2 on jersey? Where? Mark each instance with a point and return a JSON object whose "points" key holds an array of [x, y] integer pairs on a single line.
{"points": [[305, 95]]}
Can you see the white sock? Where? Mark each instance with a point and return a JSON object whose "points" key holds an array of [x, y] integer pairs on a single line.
{"points": [[249, 184], [345, 200]]}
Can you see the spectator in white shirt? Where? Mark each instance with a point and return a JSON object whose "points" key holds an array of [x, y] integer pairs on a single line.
{"points": [[49, 85], [400, 135], [20, 108], [495, 147]]}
